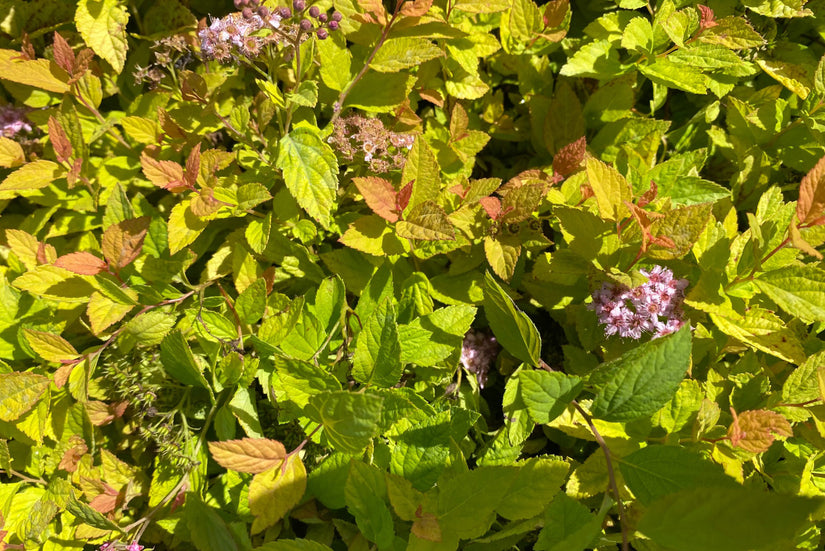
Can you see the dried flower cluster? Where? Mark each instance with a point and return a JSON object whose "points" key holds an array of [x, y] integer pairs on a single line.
{"points": [[652, 307], [238, 34], [478, 352], [360, 138], [13, 121]]}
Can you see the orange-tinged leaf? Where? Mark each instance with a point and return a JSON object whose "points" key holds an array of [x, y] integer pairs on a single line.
{"points": [[122, 242], [71, 457], [50, 347], [59, 140], [63, 53], [193, 164], [811, 203], [274, 492], [426, 526], [248, 455], [554, 13], [165, 174], [101, 413], [492, 206], [380, 196], [570, 157], [82, 263], [756, 430], [416, 8]]}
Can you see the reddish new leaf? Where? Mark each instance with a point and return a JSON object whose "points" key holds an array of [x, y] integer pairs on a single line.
{"points": [[811, 203], [165, 174], [492, 205], [121, 243], [82, 263], [71, 457], [554, 13], [403, 197], [59, 140], [63, 54], [193, 164], [380, 196], [707, 17], [756, 430], [570, 157], [650, 195]]}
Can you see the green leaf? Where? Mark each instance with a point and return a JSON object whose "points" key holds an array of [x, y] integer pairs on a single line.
{"points": [[56, 283], [514, 330], [597, 59], [798, 290], [656, 471], [421, 168], [20, 392], [377, 358], [426, 221], [429, 339], [87, 515], [547, 394], [762, 330], [466, 503], [336, 64], [350, 420], [178, 361], [402, 53], [692, 190], [206, 528], [568, 526], [251, 303], [298, 380], [310, 171], [638, 35], [537, 481], [481, 6], [305, 95], [610, 188], [293, 545], [674, 75], [793, 76], [734, 33], [642, 380], [366, 496], [102, 24], [779, 8], [725, 519]]}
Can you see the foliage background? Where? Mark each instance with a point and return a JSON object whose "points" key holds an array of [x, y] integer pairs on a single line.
{"points": [[233, 317]]}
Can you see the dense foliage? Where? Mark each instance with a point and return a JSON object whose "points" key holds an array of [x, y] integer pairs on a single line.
{"points": [[425, 275]]}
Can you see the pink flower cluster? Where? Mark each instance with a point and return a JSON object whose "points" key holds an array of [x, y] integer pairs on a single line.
{"points": [[13, 121], [478, 352], [234, 35], [652, 307]]}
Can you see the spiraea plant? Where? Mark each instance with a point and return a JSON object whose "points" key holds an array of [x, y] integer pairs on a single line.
{"points": [[416, 275]]}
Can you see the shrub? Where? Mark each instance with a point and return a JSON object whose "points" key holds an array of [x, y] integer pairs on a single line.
{"points": [[473, 274]]}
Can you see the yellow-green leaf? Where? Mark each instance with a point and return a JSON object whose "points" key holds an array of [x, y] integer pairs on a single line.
{"points": [[56, 283], [103, 312], [274, 492], [402, 53], [248, 455], [102, 24], [11, 154], [372, 235], [183, 227], [50, 347], [795, 78], [19, 392], [39, 73], [426, 221], [610, 188], [35, 175]]}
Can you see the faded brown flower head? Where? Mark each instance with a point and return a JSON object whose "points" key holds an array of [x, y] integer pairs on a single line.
{"points": [[360, 138]]}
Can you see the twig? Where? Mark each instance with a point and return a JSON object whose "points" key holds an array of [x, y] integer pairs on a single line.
{"points": [[611, 475]]}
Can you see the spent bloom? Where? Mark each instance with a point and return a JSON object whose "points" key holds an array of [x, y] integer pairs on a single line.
{"points": [[359, 137], [13, 121], [234, 35], [478, 352], [652, 307]]}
